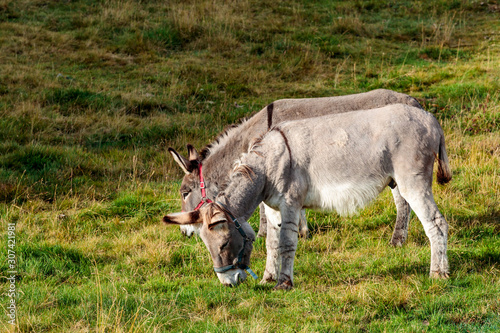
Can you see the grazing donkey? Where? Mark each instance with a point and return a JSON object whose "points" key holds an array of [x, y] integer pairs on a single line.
{"points": [[206, 175], [337, 162]]}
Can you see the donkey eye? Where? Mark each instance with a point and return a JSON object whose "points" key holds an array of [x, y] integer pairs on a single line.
{"points": [[224, 245], [185, 194]]}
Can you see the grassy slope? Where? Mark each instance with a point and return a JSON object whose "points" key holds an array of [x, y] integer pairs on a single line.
{"points": [[92, 93]]}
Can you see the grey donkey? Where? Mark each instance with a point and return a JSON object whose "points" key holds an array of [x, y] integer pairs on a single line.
{"points": [[337, 162], [207, 173]]}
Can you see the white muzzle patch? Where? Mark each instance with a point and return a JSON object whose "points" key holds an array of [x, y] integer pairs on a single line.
{"points": [[191, 229], [232, 277]]}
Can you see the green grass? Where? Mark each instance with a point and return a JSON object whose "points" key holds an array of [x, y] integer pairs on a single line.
{"points": [[93, 92]]}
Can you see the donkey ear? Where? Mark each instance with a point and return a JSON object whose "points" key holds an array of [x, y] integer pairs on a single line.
{"points": [[183, 218], [193, 154], [217, 218], [181, 160], [213, 215]]}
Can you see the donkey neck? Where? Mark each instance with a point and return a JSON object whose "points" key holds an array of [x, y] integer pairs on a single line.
{"points": [[241, 206], [243, 194]]}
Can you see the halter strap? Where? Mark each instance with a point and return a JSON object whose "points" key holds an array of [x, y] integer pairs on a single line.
{"points": [[238, 264], [204, 198]]}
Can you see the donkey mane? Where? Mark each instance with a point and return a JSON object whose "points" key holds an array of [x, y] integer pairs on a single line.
{"points": [[243, 169], [227, 133], [256, 143], [221, 138]]}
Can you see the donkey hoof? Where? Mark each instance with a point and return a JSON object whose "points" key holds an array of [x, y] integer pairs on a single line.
{"points": [[268, 280], [304, 234], [286, 285], [396, 242], [261, 234], [439, 275]]}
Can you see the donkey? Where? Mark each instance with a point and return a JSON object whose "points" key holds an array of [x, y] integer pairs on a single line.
{"points": [[208, 172], [336, 162]]}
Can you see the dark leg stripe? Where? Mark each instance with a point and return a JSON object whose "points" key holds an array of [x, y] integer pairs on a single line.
{"points": [[290, 229], [286, 143]]}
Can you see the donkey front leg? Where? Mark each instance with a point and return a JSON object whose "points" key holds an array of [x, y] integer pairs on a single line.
{"points": [[272, 243], [303, 229], [263, 221], [287, 246]]}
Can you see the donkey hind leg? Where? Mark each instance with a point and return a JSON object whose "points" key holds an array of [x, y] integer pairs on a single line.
{"points": [[263, 221], [435, 226], [272, 243], [303, 229], [400, 233], [288, 245]]}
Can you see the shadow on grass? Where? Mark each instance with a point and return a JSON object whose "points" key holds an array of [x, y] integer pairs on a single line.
{"points": [[477, 227], [475, 249], [52, 261], [263, 287], [476, 260], [468, 262]]}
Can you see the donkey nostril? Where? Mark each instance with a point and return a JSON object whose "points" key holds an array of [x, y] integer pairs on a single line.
{"points": [[237, 278]]}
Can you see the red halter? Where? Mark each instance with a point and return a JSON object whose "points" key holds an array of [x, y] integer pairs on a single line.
{"points": [[204, 198]]}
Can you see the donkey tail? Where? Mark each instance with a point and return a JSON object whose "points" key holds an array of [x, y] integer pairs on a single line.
{"points": [[443, 171]]}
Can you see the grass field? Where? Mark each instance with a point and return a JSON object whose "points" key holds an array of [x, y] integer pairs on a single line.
{"points": [[93, 92]]}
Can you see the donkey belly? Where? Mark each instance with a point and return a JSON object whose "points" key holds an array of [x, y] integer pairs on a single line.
{"points": [[344, 197]]}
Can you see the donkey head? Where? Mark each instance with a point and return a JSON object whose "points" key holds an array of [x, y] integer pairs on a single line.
{"points": [[191, 187], [229, 247]]}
